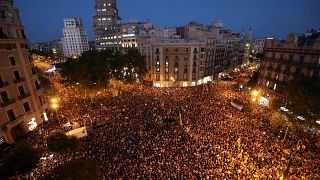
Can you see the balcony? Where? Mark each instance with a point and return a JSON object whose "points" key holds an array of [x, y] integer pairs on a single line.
{"points": [[19, 80], [7, 103], [195, 52], [157, 52], [24, 96], [4, 84]]}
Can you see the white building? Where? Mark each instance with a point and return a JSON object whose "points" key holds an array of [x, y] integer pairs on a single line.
{"points": [[74, 40]]}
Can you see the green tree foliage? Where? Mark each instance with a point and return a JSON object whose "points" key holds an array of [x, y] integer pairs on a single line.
{"points": [[130, 66], [21, 159], [95, 68], [44, 80], [82, 168], [276, 104], [253, 80], [59, 142], [303, 93]]}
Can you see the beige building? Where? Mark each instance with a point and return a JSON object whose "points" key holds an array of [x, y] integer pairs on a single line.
{"points": [[298, 56], [189, 55], [22, 105]]}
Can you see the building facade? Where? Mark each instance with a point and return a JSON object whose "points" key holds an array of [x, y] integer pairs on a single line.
{"points": [[298, 55], [22, 104], [74, 40], [106, 27], [188, 55]]}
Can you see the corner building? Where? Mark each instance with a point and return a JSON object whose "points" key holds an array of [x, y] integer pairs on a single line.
{"points": [[298, 55], [22, 105]]}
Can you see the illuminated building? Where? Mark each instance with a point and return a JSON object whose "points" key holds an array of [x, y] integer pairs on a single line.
{"points": [[22, 105], [189, 55], [74, 40], [106, 28], [298, 55]]}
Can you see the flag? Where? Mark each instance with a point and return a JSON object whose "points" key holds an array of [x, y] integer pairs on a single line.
{"points": [[286, 151], [180, 119], [239, 142]]}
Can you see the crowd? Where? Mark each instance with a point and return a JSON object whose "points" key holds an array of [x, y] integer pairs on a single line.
{"points": [[210, 139]]}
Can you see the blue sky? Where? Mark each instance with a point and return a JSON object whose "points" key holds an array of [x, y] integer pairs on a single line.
{"points": [[43, 19]]}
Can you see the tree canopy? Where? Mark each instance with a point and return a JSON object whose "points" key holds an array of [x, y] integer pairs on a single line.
{"points": [[94, 68], [304, 96], [59, 142], [21, 159], [82, 168]]}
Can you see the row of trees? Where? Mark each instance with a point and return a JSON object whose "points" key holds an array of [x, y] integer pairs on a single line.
{"points": [[23, 158], [302, 98], [94, 68]]}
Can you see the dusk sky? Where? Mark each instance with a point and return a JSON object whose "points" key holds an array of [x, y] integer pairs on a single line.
{"points": [[43, 19]]}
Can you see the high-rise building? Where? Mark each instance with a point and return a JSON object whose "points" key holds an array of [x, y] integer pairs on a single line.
{"points": [[22, 105], [298, 55], [74, 40], [106, 25]]}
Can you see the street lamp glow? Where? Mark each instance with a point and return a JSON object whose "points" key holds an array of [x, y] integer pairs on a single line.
{"points": [[54, 100], [54, 106], [253, 99], [255, 93]]}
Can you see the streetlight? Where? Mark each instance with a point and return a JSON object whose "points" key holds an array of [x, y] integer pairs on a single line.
{"points": [[255, 93], [55, 106]]}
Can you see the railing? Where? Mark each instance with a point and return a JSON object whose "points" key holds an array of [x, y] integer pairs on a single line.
{"points": [[7, 103], [24, 96], [19, 80], [4, 84]]}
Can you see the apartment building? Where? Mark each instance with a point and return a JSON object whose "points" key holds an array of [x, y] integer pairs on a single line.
{"points": [[22, 104], [298, 55]]}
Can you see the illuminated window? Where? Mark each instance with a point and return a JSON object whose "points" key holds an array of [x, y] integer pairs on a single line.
{"points": [[274, 86], [32, 124]]}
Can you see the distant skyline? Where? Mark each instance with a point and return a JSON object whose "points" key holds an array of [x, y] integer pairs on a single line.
{"points": [[43, 19]]}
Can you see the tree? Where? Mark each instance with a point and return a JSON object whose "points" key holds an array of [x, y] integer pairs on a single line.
{"points": [[95, 68], [82, 168], [253, 80], [21, 159], [44, 80], [303, 94], [59, 142]]}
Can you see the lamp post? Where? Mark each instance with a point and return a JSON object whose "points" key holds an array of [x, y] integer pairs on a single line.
{"points": [[55, 106]]}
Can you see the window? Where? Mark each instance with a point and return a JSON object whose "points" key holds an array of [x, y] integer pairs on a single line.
{"points": [[194, 76], [290, 57], [176, 49], [16, 75], [11, 115], [158, 77], [12, 61], [185, 76], [26, 107], [274, 87], [37, 84], [4, 96], [301, 59], [21, 91], [1, 80]]}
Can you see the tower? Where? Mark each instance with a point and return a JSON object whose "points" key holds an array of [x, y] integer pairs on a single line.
{"points": [[105, 25]]}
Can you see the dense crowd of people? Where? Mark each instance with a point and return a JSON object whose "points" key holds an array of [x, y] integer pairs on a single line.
{"points": [[210, 139]]}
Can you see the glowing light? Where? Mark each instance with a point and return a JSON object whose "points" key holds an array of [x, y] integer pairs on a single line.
{"points": [[54, 106], [255, 93], [54, 100], [253, 99]]}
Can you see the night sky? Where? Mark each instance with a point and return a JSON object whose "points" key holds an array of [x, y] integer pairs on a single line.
{"points": [[43, 19]]}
